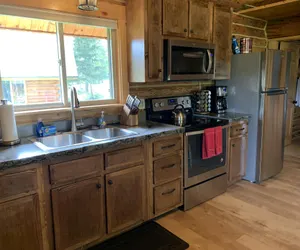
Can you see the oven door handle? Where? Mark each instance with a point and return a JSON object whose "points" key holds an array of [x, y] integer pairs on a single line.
{"points": [[194, 133]]}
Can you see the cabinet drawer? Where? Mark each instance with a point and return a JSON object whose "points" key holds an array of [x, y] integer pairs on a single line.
{"points": [[238, 129], [166, 146], [71, 170], [128, 156], [167, 196], [14, 184], [168, 168]]}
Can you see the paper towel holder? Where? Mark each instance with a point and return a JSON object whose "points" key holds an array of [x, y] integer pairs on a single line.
{"points": [[8, 143]]}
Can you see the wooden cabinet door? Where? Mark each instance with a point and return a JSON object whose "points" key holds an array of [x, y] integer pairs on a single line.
{"points": [[20, 224], [155, 43], [175, 17], [238, 158], [222, 39], [78, 213], [125, 198], [200, 20]]}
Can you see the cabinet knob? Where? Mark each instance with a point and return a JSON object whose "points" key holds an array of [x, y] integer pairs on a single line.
{"points": [[295, 102], [110, 182], [185, 30], [160, 70], [233, 145], [192, 31], [98, 186]]}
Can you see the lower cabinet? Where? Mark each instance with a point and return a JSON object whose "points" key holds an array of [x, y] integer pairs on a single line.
{"points": [[125, 198], [238, 158], [20, 224], [78, 213]]}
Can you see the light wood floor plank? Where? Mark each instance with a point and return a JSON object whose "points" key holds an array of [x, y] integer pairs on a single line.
{"points": [[248, 216]]}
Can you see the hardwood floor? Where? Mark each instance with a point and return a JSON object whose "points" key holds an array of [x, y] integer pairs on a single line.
{"points": [[248, 216]]}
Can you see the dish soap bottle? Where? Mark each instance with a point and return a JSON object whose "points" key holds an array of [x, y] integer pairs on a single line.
{"points": [[101, 121], [39, 127]]}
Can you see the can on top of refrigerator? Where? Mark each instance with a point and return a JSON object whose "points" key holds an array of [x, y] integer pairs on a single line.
{"points": [[246, 45]]}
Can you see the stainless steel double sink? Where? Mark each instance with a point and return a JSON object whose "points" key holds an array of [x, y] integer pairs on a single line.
{"points": [[81, 137]]}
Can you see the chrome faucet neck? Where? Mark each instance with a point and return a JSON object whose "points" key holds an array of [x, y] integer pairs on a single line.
{"points": [[74, 104]]}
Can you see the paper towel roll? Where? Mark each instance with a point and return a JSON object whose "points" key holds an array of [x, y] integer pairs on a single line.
{"points": [[8, 122]]}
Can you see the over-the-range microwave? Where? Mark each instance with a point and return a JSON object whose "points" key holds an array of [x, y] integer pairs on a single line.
{"points": [[187, 60]]}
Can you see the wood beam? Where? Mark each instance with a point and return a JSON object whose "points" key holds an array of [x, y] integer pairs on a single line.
{"points": [[283, 28]]}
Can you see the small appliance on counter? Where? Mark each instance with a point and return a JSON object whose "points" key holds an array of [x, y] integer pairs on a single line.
{"points": [[129, 115], [219, 99], [8, 124], [204, 178]]}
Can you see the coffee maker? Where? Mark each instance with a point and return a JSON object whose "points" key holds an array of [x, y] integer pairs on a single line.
{"points": [[219, 99]]}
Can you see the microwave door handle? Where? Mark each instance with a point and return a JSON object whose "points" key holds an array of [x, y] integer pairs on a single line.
{"points": [[210, 61]]}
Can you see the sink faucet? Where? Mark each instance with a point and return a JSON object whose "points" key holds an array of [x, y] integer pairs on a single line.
{"points": [[75, 105]]}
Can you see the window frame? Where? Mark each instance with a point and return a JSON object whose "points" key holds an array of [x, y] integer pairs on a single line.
{"points": [[114, 51]]}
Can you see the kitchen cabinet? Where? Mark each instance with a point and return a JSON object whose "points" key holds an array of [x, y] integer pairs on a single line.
{"points": [[78, 213], [145, 41], [238, 151], [222, 33], [238, 158], [176, 17], [20, 224], [125, 198], [200, 20]]}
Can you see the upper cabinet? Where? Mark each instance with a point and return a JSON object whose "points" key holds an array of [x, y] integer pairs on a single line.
{"points": [[176, 18], [149, 22], [222, 39], [200, 20]]}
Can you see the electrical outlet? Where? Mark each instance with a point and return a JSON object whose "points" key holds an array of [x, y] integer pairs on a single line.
{"points": [[142, 104]]}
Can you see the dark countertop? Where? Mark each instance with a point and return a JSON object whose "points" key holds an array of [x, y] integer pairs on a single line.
{"points": [[230, 116], [27, 152]]}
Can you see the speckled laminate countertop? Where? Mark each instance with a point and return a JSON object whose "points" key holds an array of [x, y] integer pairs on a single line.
{"points": [[230, 116], [27, 152]]}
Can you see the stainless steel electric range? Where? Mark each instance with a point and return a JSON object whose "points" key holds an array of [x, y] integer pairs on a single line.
{"points": [[203, 179]]}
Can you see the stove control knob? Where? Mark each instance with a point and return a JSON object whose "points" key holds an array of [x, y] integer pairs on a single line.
{"points": [[187, 101], [161, 104], [183, 102], [156, 105]]}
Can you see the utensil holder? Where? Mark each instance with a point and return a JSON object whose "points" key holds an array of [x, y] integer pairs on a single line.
{"points": [[129, 120]]}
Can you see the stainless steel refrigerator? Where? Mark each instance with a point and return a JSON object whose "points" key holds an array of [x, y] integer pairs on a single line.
{"points": [[258, 86]]}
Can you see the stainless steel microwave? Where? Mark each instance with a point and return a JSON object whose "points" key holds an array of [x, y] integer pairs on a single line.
{"points": [[188, 60]]}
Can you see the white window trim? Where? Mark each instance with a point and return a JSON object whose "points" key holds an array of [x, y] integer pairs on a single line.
{"points": [[65, 18]]}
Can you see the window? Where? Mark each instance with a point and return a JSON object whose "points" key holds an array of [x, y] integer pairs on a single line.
{"points": [[41, 60]]}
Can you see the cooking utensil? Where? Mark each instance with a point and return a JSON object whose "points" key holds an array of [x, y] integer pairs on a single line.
{"points": [[129, 101], [135, 106], [179, 115]]}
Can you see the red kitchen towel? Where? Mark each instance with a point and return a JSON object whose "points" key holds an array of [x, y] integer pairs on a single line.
{"points": [[219, 140], [208, 144]]}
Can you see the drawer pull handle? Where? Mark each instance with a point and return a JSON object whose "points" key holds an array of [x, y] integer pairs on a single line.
{"points": [[169, 146], [169, 192], [98, 186], [170, 166], [110, 182]]}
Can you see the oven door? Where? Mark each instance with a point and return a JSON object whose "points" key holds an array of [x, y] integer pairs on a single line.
{"points": [[185, 60], [197, 170]]}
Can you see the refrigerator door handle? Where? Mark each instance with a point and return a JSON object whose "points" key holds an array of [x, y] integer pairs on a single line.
{"points": [[275, 92]]}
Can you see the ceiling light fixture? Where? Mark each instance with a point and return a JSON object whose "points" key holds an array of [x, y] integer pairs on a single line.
{"points": [[88, 5]]}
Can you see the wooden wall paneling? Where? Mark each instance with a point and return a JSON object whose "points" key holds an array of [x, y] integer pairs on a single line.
{"points": [[243, 26], [284, 28], [161, 89], [248, 31], [107, 9], [248, 21], [277, 10]]}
